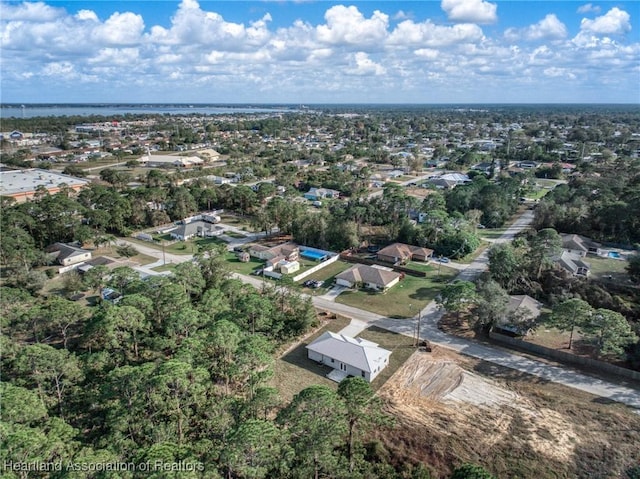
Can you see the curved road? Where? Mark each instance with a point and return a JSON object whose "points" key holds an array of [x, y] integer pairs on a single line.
{"points": [[430, 316]]}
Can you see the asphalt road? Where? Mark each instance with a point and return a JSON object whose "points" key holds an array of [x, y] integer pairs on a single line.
{"points": [[430, 316]]}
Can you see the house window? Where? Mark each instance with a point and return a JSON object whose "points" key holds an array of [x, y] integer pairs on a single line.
{"points": [[333, 360], [362, 373], [343, 366]]}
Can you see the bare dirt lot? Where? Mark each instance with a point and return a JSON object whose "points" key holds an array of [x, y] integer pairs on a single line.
{"points": [[451, 409]]}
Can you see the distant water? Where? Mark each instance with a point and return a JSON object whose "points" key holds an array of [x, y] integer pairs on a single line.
{"points": [[35, 110]]}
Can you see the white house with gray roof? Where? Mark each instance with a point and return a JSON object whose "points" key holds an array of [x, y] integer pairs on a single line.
{"points": [[349, 356]]}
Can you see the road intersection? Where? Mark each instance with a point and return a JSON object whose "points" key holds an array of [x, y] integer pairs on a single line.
{"points": [[431, 315]]}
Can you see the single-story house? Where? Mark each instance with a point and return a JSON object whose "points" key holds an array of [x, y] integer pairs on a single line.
{"points": [[400, 252], [521, 311], [288, 267], [351, 356], [579, 245], [199, 228], [486, 167], [574, 264], [288, 251], [369, 277], [66, 254], [321, 193]]}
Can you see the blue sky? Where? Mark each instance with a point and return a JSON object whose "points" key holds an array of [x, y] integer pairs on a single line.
{"points": [[445, 51]]}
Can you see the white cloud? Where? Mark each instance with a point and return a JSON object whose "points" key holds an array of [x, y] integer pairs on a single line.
{"points": [[555, 72], [430, 35], [588, 8], [365, 66], [116, 56], [547, 28], [193, 26], [614, 22], [347, 56], [427, 53], [346, 25], [31, 12], [88, 15], [120, 29], [473, 11]]}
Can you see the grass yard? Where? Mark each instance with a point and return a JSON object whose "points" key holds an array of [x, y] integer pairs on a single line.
{"points": [[468, 259], [327, 273], [236, 221], [179, 247], [552, 338], [165, 267], [602, 267], [294, 371], [111, 251], [395, 302], [233, 234], [238, 266], [420, 266], [491, 233], [401, 348]]}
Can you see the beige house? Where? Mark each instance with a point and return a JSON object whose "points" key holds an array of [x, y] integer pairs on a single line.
{"points": [[368, 277], [66, 254], [400, 252], [522, 311]]}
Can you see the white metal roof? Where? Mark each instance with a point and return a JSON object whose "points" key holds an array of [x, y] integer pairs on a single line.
{"points": [[359, 353]]}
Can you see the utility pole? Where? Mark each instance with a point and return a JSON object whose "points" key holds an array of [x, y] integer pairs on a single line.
{"points": [[418, 334]]}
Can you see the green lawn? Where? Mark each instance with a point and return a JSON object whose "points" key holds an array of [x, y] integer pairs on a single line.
{"points": [[327, 273], [420, 266], [395, 302], [165, 267], [601, 268], [238, 266], [491, 233], [180, 247]]}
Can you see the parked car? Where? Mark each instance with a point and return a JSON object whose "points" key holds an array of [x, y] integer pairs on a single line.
{"points": [[238, 249], [443, 259], [314, 284], [257, 272]]}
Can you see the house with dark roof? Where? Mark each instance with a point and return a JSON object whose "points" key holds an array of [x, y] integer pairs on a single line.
{"points": [[579, 245], [315, 194], [349, 356], [200, 228], [574, 264], [369, 277], [66, 254], [400, 252], [522, 310]]}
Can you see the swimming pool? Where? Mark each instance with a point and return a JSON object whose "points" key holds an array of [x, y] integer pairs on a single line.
{"points": [[614, 254], [315, 255]]}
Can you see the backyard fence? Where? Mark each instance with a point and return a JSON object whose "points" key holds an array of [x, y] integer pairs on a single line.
{"points": [[349, 258], [318, 267], [565, 357]]}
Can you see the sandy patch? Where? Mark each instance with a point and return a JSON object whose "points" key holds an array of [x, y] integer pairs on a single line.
{"points": [[435, 390]]}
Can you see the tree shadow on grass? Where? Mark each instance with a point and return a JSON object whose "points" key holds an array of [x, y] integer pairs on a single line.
{"points": [[425, 293], [298, 357]]}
